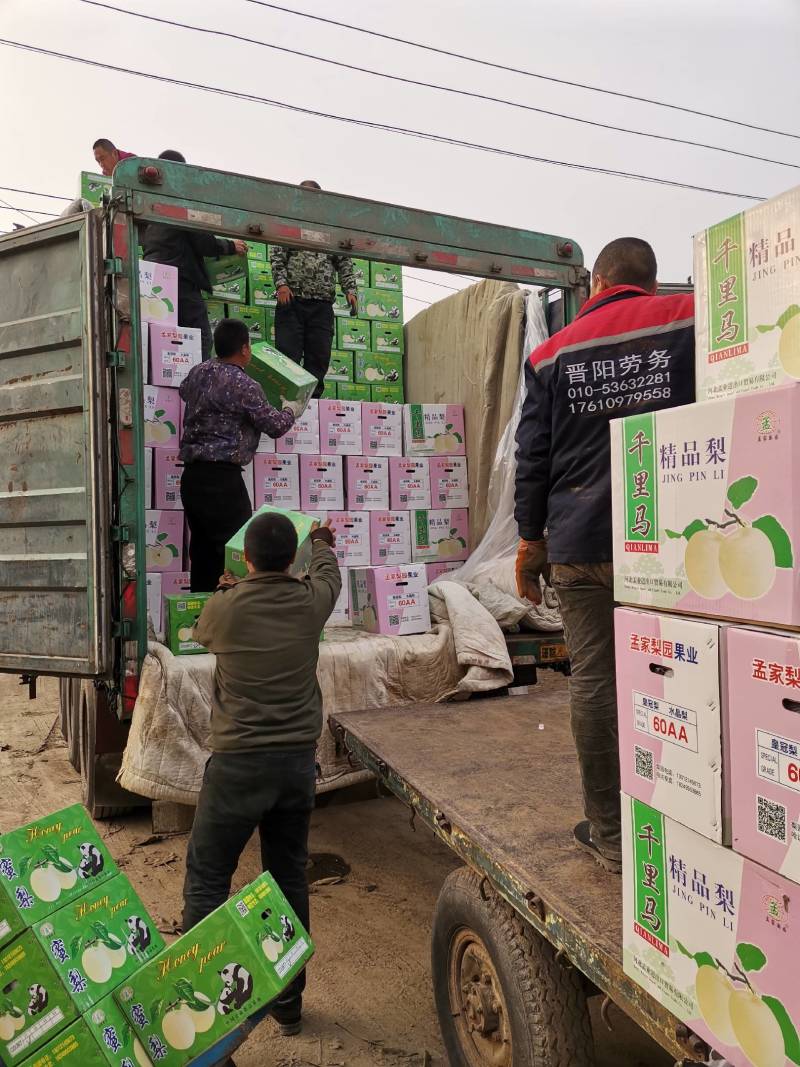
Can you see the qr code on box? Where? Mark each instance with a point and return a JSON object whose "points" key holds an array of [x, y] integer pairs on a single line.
{"points": [[643, 763], [771, 819], [394, 620], [241, 907]]}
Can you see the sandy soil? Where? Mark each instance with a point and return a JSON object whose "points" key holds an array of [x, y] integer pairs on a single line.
{"points": [[369, 1000]]}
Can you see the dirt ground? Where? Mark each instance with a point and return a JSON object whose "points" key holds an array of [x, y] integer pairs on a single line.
{"points": [[369, 1000]]}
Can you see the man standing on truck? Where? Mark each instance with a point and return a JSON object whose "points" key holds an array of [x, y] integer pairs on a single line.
{"points": [[107, 155], [226, 413], [187, 250], [627, 352], [306, 289]]}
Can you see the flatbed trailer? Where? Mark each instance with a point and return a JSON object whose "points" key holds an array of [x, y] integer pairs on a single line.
{"points": [[530, 927]]}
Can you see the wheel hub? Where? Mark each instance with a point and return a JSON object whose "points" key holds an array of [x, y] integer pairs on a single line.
{"points": [[477, 1000]]}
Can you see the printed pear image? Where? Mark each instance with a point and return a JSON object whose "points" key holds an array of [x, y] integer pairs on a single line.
{"points": [[703, 565], [789, 347], [141, 1056], [368, 617], [372, 374], [272, 947], [203, 1018], [158, 433], [118, 954], [19, 1021], [45, 883], [66, 879], [747, 562], [96, 962], [153, 307], [713, 990], [186, 633], [7, 1028], [756, 1029], [178, 1027]]}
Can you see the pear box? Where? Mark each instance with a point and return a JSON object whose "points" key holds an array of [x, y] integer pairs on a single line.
{"points": [[93, 186], [256, 252], [380, 304], [200, 988], [276, 481], [114, 1036], [340, 368], [387, 338], [145, 342], [390, 538], [180, 614], [361, 269], [376, 368], [436, 571], [712, 937], [267, 445], [763, 732], [164, 538], [175, 583], [747, 300], [321, 481], [387, 394], [434, 429], [705, 512], [261, 287], [440, 533], [76, 1046], [394, 600], [330, 391], [670, 719], [449, 482], [228, 275], [174, 350], [340, 428], [11, 922], [352, 537], [381, 429], [367, 479], [254, 320], [269, 325], [99, 940], [357, 582], [340, 616], [162, 416], [280, 377], [303, 525], [148, 477], [352, 334], [168, 468], [47, 863], [303, 437], [34, 1005], [409, 482], [248, 477], [385, 276], [341, 305], [158, 293], [351, 391], [216, 311], [155, 602]]}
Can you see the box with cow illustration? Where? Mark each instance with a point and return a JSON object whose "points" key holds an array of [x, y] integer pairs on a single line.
{"points": [[387, 338], [439, 534], [99, 940], [280, 377], [162, 416], [75, 1046], [353, 335], [228, 276], [385, 276], [48, 863], [670, 718], [378, 368], [205, 984], [254, 319], [380, 304], [34, 1005]]}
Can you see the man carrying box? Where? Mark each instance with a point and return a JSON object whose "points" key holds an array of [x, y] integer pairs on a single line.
{"points": [[265, 722], [226, 413], [628, 351], [305, 284]]}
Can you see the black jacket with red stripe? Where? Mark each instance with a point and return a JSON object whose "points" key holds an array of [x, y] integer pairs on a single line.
{"points": [[627, 352]]}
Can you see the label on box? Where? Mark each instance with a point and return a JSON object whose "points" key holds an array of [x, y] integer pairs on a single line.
{"points": [[167, 475], [276, 481], [367, 483], [390, 538]]}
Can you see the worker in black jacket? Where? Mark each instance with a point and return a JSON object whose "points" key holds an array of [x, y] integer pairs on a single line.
{"points": [[187, 250], [627, 352]]}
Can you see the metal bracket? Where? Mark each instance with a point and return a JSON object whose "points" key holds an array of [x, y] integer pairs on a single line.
{"points": [[30, 681], [122, 628], [113, 265], [115, 358], [120, 534]]}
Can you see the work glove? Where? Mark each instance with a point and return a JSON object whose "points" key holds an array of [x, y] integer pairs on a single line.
{"points": [[530, 567], [297, 407]]}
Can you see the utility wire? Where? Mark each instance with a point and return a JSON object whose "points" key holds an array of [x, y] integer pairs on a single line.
{"points": [[363, 123], [440, 285], [5, 206], [30, 192], [440, 88], [526, 73]]}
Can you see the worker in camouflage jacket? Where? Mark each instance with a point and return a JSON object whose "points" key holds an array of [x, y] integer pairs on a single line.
{"points": [[305, 284]]}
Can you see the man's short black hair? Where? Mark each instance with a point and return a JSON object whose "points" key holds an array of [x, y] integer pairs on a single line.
{"points": [[171, 153], [627, 261], [105, 144], [270, 542], [230, 337]]}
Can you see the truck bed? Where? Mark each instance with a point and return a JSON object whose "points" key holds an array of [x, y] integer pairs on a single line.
{"points": [[498, 781]]}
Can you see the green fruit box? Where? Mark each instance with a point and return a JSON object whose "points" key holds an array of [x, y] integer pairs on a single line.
{"points": [[98, 940], [34, 1005], [387, 337], [352, 391], [181, 613], [329, 392], [228, 276], [387, 394], [75, 1046], [93, 186], [361, 271], [380, 304], [48, 863], [256, 252], [269, 325], [280, 377], [386, 276], [341, 305], [253, 318], [303, 524], [340, 368], [261, 287], [372, 368], [114, 1035], [352, 334], [212, 978]]}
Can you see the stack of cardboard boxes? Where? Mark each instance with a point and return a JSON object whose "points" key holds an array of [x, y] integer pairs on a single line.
{"points": [[706, 536]]}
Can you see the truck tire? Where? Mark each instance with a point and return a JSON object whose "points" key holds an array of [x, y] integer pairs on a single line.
{"points": [[69, 697], [101, 794], [501, 998]]}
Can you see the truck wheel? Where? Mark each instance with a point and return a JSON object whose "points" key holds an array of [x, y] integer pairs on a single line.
{"points": [[101, 794], [69, 697], [501, 998]]}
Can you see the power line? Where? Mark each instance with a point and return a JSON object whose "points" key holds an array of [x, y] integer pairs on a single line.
{"points": [[440, 88], [440, 285], [30, 192], [417, 299], [5, 206], [526, 73], [364, 123]]}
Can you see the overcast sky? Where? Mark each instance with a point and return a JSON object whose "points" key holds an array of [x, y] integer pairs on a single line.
{"points": [[734, 58]]}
